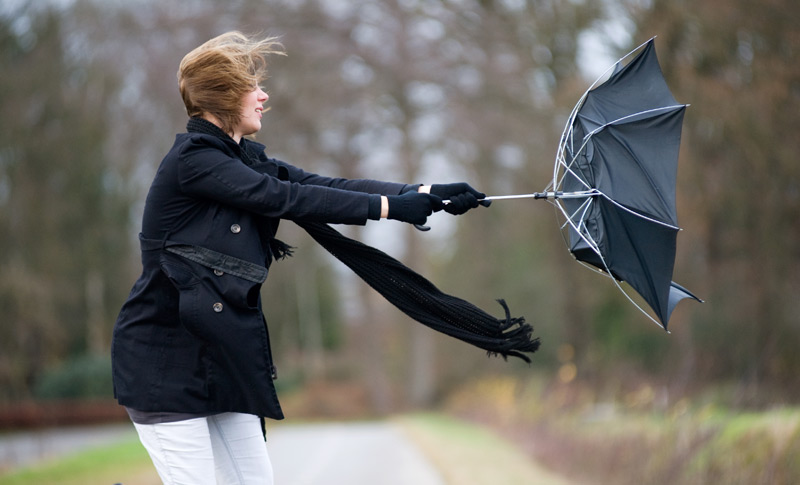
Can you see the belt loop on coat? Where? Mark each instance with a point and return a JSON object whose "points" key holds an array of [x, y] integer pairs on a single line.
{"points": [[165, 240], [149, 244]]}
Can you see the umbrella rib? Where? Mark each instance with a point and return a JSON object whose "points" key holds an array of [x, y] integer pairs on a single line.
{"points": [[583, 234], [614, 66], [637, 214], [567, 136], [583, 208], [561, 162], [647, 111], [630, 299], [568, 168], [582, 224]]}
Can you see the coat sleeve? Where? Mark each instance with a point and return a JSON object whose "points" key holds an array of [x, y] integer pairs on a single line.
{"points": [[357, 185], [295, 174], [205, 171]]}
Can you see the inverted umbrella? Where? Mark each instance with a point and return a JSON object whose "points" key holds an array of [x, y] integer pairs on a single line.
{"points": [[614, 181]]}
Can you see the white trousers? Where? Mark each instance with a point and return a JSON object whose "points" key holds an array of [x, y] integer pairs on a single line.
{"points": [[224, 449]]}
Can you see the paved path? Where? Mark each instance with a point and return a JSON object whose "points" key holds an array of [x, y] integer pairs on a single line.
{"points": [[347, 453], [362, 453]]}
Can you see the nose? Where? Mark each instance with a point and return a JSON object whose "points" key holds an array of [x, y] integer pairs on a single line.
{"points": [[262, 96]]}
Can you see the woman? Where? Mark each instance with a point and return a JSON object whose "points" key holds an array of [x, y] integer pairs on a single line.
{"points": [[191, 353]]}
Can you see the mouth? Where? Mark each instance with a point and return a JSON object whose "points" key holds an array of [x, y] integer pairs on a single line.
{"points": [[260, 112]]}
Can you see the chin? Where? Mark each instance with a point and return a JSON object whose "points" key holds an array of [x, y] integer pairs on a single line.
{"points": [[252, 131]]}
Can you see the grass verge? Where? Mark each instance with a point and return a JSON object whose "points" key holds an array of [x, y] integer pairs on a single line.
{"points": [[469, 454], [636, 436], [126, 462]]}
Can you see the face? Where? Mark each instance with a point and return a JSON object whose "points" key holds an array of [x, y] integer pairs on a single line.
{"points": [[252, 108]]}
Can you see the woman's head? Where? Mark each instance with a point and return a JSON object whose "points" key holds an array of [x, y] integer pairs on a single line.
{"points": [[215, 77]]}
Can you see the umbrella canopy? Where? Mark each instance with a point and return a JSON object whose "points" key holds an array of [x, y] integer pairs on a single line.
{"points": [[615, 176], [614, 181]]}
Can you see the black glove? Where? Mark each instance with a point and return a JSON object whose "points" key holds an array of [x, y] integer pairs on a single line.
{"points": [[462, 197], [413, 207]]}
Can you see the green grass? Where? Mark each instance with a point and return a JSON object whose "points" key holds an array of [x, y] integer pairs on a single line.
{"points": [[468, 454], [126, 462]]}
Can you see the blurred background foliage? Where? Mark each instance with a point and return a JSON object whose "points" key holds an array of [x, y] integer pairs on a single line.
{"points": [[413, 91]]}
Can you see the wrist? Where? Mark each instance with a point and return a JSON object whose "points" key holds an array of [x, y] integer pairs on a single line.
{"points": [[384, 207]]}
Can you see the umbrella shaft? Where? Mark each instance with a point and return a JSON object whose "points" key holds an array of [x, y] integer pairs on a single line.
{"points": [[546, 195]]}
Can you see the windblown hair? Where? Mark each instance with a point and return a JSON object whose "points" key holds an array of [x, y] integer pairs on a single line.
{"points": [[214, 77]]}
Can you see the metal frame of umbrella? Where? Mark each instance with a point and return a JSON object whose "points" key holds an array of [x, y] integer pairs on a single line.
{"points": [[643, 224]]}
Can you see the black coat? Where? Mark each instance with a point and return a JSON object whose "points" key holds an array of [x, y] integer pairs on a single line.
{"points": [[191, 336]]}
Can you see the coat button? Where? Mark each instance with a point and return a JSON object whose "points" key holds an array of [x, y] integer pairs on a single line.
{"points": [[218, 272], [217, 307], [236, 228]]}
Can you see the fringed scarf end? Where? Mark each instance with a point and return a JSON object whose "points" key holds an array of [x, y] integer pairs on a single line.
{"points": [[280, 250], [516, 336]]}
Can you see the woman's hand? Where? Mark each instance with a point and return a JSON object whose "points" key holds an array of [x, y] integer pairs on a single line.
{"points": [[462, 197], [411, 207]]}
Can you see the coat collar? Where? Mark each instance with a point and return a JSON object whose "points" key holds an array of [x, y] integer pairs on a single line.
{"points": [[247, 149], [201, 125]]}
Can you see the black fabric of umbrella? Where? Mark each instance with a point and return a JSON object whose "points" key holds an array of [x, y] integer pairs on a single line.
{"points": [[621, 146], [614, 181]]}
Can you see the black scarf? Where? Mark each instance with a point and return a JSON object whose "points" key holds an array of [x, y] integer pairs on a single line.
{"points": [[407, 290]]}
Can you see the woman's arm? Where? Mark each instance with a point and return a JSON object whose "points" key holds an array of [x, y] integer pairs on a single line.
{"points": [[205, 171], [368, 186]]}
